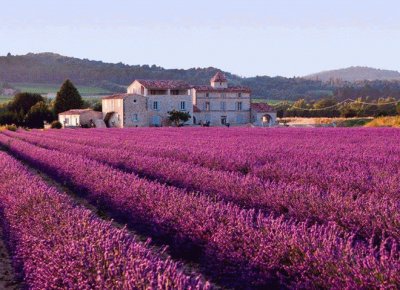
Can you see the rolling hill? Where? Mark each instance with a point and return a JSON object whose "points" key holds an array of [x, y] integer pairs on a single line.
{"points": [[354, 74], [53, 69], [42, 71]]}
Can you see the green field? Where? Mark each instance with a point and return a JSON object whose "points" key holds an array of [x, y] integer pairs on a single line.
{"points": [[53, 88], [4, 99], [270, 102]]}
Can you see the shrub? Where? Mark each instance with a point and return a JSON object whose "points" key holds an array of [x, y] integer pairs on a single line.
{"points": [[37, 115], [385, 122], [178, 117], [11, 127], [8, 117], [55, 125]]}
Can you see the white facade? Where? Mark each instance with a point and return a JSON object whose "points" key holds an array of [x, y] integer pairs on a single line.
{"points": [[78, 118], [221, 105], [147, 103], [69, 120]]}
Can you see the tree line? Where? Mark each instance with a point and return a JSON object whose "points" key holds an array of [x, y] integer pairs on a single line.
{"points": [[54, 68], [331, 107], [32, 110]]}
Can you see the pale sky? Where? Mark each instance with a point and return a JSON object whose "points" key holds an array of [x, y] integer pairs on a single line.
{"points": [[248, 38]]}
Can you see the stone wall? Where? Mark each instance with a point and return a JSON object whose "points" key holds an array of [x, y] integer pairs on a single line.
{"points": [[135, 112], [91, 115], [222, 105], [116, 106], [167, 103], [260, 119]]}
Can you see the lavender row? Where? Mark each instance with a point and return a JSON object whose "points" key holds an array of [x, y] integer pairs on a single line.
{"points": [[244, 149], [58, 245], [358, 162], [373, 212], [235, 243]]}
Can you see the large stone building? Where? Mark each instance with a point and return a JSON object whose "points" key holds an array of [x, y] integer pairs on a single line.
{"points": [[220, 104], [147, 103]]}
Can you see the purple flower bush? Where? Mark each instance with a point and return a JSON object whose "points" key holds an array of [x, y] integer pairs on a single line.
{"points": [[250, 246], [344, 192], [59, 245]]}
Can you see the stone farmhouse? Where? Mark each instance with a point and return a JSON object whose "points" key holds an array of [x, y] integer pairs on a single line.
{"points": [[219, 104], [79, 118], [147, 103]]}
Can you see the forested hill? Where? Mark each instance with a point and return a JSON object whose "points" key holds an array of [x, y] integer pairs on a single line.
{"points": [[54, 69], [354, 74], [50, 68]]}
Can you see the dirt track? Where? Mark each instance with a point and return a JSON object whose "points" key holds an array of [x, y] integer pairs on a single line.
{"points": [[7, 280]]}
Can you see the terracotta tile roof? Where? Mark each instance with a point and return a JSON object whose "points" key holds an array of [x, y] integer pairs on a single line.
{"points": [[223, 90], [196, 109], [120, 96], [165, 84], [219, 77], [76, 112], [261, 107]]}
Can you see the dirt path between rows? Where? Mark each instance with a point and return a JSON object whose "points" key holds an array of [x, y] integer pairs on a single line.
{"points": [[188, 267], [7, 278]]}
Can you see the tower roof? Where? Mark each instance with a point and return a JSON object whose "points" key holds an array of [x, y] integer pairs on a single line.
{"points": [[219, 77]]}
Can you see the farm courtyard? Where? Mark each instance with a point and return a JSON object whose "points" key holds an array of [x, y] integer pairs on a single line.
{"points": [[200, 208]]}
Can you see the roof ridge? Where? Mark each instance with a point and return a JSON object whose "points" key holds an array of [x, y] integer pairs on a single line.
{"points": [[219, 77]]}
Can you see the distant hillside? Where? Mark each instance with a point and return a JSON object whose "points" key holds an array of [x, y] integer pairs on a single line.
{"points": [[353, 74], [50, 68]]}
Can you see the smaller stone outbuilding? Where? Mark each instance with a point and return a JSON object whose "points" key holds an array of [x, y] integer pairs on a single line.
{"points": [[79, 118], [262, 115], [125, 110]]}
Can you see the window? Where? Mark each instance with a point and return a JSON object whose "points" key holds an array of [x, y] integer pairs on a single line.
{"points": [[223, 120], [134, 100], [183, 106], [207, 106], [174, 92], [158, 92], [135, 118], [207, 95], [239, 106], [222, 106]]}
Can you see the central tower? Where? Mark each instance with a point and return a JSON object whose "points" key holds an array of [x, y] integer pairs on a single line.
{"points": [[219, 81]]}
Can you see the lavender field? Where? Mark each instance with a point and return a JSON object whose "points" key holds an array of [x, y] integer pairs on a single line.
{"points": [[202, 208]]}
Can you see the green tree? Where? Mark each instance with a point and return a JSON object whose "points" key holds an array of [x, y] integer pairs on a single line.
{"points": [[178, 117], [56, 125], [67, 98], [23, 102], [281, 108], [8, 118], [324, 103], [37, 115]]}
